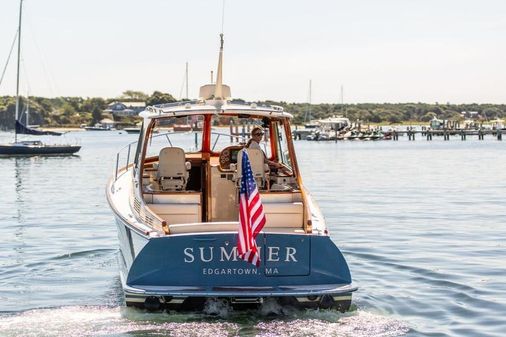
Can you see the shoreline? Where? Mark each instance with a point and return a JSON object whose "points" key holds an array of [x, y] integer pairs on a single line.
{"points": [[62, 129]]}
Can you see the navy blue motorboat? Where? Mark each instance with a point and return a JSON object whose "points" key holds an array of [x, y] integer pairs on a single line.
{"points": [[175, 199]]}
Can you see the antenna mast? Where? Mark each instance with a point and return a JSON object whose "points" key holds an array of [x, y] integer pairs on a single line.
{"points": [[223, 17], [218, 92]]}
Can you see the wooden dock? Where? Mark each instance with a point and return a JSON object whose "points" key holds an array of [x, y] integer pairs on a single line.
{"points": [[301, 134], [414, 134], [446, 133]]}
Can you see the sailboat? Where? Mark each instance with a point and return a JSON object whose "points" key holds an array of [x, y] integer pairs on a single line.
{"points": [[31, 147]]}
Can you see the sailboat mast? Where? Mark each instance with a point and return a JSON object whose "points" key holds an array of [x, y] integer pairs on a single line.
{"points": [[27, 109], [342, 101], [186, 80], [19, 62], [307, 117], [310, 101]]}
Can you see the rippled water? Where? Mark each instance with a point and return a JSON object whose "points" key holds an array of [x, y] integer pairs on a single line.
{"points": [[422, 225]]}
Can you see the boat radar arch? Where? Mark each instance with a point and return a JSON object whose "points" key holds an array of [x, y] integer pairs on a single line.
{"points": [[216, 94]]}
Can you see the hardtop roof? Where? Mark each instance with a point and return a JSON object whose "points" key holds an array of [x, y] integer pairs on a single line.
{"points": [[199, 108]]}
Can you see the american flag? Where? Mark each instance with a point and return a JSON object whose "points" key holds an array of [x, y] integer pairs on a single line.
{"points": [[251, 214]]}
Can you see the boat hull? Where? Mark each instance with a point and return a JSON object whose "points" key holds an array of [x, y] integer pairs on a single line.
{"points": [[96, 128], [22, 150], [132, 130], [184, 271]]}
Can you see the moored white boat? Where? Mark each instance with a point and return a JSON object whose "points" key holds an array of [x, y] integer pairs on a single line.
{"points": [[330, 128], [98, 127], [132, 130], [175, 201]]}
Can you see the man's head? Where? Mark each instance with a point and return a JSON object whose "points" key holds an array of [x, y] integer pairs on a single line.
{"points": [[257, 133]]}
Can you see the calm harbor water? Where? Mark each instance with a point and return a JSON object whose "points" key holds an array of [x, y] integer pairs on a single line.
{"points": [[422, 225]]}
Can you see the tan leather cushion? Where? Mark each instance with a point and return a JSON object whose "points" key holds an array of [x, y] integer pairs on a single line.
{"points": [[283, 215], [171, 162], [257, 160], [177, 213]]}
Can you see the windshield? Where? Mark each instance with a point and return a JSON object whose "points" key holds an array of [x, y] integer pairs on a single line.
{"points": [[233, 130], [226, 131], [183, 132], [282, 145]]}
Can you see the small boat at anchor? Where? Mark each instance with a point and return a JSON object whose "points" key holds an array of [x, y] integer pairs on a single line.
{"points": [[182, 127], [330, 128], [132, 130], [175, 199], [98, 127]]}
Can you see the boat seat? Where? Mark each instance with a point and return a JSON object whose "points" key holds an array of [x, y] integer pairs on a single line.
{"points": [[283, 215], [182, 218], [176, 208], [177, 213], [173, 170], [258, 166]]}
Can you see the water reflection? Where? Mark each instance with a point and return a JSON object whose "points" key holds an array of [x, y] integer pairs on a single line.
{"points": [[23, 166], [19, 166]]}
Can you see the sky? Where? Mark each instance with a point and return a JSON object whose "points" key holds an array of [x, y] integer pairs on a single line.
{"points": [[378, 51]]}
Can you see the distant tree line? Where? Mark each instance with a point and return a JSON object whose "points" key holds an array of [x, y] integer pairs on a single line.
{"points": [[394, 113], [74, 111], [69, 111]]}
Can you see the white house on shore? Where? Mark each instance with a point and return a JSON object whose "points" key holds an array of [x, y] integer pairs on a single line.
{"points": [[125, 108], [470, 114]]}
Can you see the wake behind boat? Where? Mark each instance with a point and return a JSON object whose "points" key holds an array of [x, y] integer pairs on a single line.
{"points": [[176, 204]]}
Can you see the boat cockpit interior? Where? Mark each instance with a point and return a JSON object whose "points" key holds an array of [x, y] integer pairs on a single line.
{"points": [[190, 180]]}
